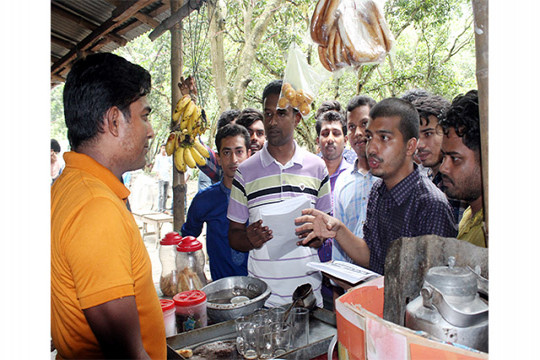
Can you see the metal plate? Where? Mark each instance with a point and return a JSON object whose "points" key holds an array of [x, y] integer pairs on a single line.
{"points": [[322, 327]]}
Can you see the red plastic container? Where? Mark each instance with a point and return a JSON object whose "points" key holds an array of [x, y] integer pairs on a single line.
{"points": [[190, 310]]}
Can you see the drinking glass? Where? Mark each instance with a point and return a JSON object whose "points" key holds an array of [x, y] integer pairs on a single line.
{"points": [[299, 326], [281, 339]]}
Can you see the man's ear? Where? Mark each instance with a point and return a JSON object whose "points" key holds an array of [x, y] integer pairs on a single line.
{"points": [[218, 159], [411, 146], [112, 120], [297, 118]]}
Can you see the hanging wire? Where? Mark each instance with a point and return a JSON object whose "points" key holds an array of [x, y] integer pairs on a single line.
{"points": [[197, 46]]}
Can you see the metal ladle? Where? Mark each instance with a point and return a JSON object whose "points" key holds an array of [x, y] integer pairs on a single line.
{"points": [[303, 292]]}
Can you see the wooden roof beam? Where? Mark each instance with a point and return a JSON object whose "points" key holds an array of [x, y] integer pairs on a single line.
{"points": [[77, 19], [120, 15], [175, 18], [148, 20], [153, 14]]}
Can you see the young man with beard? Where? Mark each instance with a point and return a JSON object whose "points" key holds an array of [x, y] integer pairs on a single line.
{"points": [[461, 167], [210, 206], [402, 203], [281, 170], [252, 120], [430, 110], [331, 129], [103, 300]]}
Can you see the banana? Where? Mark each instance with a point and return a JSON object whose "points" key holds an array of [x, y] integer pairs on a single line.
{"points": [[199, 159], [179, 159], [190, 109], [194, 119], [184, 123], [171, 144], [200, 148], [188, 158], [180, 107]]}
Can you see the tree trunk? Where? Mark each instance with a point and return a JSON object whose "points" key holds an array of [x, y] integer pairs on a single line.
{"points": [[231, 92], [480, 11], [179, 184]]}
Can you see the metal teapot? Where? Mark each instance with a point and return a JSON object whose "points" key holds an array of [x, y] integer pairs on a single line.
{"points": [[449, 306]]}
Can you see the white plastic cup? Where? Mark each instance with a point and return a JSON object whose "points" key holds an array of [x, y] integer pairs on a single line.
{"points": [[169, 318]]}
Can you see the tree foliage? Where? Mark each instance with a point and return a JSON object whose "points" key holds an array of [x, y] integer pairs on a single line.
{"points": [[434, 50]]}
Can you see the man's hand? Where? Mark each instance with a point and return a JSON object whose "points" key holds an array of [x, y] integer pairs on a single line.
{"points": [[187, 86], [257, 234], [315, 225]]}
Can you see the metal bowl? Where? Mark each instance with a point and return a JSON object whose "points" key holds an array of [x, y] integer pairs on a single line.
{"points": [[247, 294]]}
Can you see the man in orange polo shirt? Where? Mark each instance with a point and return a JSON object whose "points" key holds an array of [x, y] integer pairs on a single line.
{"points": [[103, 300]]}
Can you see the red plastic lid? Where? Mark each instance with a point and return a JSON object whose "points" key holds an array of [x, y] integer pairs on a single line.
{"points": [[166, 304], [172, 238], [189, 298], [189, 244]]}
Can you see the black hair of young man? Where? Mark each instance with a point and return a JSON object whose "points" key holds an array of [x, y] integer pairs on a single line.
{"points": [[231, 130], [409, 124], [94, 85]]}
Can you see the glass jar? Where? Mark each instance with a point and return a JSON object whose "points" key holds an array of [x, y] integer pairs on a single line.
{"points": [[190, 265], [190, 310], [168, 282]]}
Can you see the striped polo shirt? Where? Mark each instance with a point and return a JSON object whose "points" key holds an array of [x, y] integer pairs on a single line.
{"points": [[260, 181]]}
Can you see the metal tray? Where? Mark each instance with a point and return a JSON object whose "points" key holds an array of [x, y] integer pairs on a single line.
{"points": [[322, 327]]}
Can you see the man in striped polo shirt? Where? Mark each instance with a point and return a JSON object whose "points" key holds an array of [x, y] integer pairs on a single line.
{"points": [[281, 170]]}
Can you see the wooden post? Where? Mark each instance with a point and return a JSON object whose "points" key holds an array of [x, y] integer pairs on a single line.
{"points": [[179, 184], [480, 11]]}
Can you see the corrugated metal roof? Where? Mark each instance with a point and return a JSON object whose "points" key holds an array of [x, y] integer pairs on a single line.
{"points": [[75, 27]]}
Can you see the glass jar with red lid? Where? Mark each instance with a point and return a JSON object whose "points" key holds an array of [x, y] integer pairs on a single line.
{"points": [[190, 264], [168, 282], [190, 310]]}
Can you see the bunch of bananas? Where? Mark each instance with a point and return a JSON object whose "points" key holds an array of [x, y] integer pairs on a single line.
{"points": [[189, 121]]}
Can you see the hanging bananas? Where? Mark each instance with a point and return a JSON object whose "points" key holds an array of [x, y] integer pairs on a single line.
{"points": [[189, 122]]}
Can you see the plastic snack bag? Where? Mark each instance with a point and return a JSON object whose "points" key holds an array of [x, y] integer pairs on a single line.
{"points": [[300, 83], [350, 33]]}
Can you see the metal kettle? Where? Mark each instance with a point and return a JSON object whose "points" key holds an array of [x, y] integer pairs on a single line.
{"points": [[449, 306]]}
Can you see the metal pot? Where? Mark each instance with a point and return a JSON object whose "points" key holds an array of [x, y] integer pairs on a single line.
{"points": [[234, 296], [450, 307]]}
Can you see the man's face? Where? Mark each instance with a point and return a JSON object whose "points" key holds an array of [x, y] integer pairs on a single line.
{"points": [[279, 124], [135, 134], [460, 169], [356, 129], [331, 140], [231, 154], [388, 155], [256, 136], [429, 142]]}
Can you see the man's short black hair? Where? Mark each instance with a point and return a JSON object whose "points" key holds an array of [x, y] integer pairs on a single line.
{"points": [[409, 121], [274, 87], [328, 105], [413, 94], [231, 130], [55, 146], [331, 116], [94, 85], [227, 117], [434, 105], [360, 100], [248, 116], [464, 117]]}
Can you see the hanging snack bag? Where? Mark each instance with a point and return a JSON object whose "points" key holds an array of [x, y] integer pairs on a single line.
{"points": [[350, 33], [300, 83]]}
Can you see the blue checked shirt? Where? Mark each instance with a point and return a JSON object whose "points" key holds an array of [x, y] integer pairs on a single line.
{"points": [[413, 207], [351, 194]]}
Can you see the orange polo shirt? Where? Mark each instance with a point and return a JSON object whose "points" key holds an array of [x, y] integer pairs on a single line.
{"points": [[97, 255]]}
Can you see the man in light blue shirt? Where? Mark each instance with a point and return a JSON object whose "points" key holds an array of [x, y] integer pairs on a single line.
{"points": [[351, 192]]}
